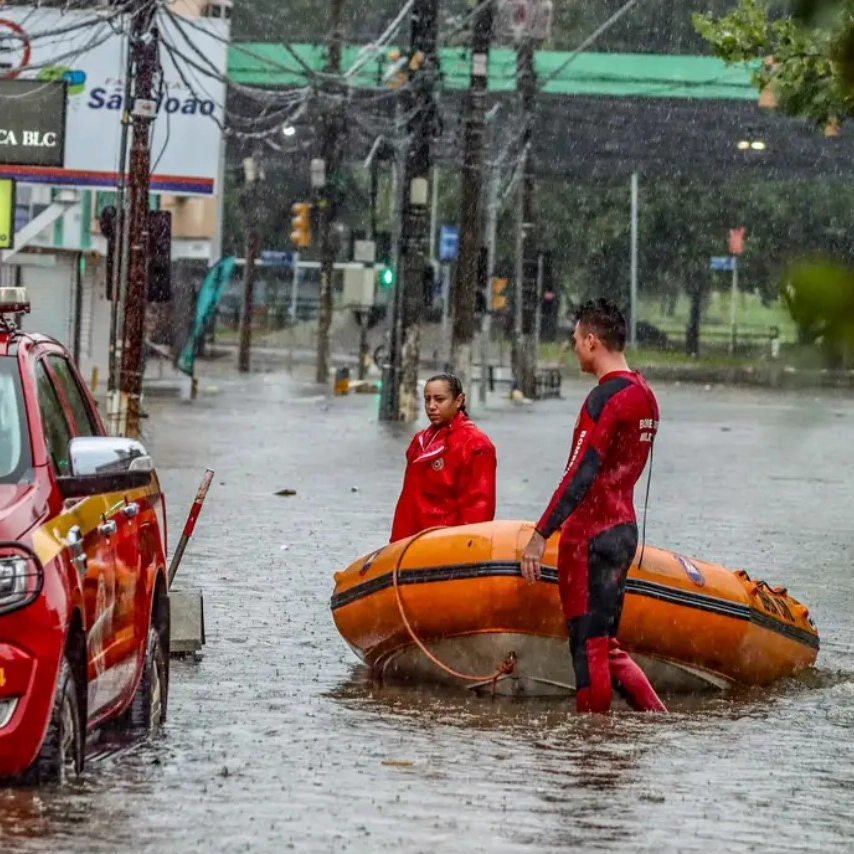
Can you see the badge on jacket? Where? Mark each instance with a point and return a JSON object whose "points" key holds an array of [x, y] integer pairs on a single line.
{"points": [[439, 464]]}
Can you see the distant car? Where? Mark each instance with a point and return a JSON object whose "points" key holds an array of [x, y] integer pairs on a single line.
{"points": [[84, 606], [649, 335]]}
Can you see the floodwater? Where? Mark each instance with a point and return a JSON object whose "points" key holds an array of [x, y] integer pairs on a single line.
{"points": [[276, 741]]}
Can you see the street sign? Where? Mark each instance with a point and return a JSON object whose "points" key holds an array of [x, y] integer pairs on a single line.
{"points": [[736, 241], [722, 262], [525, 18], [274, 258], [7, 213], [32, 122], [15, 49], [449, 242]]}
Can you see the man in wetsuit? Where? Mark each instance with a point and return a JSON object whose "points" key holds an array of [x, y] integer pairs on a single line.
{"points": [[593, 507]]}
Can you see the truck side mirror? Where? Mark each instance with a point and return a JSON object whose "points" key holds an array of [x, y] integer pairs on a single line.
{"points": [[102, 464]]}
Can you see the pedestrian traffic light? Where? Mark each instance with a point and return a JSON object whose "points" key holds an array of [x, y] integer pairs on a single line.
{"points": [[386, 277], [301, 225]]}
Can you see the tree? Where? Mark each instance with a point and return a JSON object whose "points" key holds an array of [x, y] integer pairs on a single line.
{"points": [[805, 60]]}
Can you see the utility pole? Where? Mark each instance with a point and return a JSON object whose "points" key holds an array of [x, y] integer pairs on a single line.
{"points": [[144, 38], [325, 178], [491, 233], [421, 127], [253, 172], [247, 309], [116, 255], [390, 396], [471, 213], [525, 356]]}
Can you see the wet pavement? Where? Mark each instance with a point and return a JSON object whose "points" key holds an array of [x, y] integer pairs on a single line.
{"points": [[276, 741]]}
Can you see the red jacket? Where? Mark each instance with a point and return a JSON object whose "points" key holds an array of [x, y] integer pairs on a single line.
{"points": [[449, 479]]}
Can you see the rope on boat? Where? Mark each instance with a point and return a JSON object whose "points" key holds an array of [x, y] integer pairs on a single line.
{"points": [[504, 669]]}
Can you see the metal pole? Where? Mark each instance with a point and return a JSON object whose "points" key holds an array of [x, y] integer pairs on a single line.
{"points": [[294, 287], [391, 368], [434, 211], [732, 300], [246, 313], [516, 349], [633, 322], [145, 39], [362, 316], [526, 368], [486, 320], [78, 307], [329, 199], [422, 127], [121, 221], [471, 202], [446, 314], [539, 313]]}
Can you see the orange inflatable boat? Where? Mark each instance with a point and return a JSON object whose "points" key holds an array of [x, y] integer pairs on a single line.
{"points": [[450, 605]]}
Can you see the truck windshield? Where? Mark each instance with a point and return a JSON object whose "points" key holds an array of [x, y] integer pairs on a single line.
{"points": [[15, 455]]}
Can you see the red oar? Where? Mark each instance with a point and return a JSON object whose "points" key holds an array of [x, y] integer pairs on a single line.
{"points": [[190, 523]]}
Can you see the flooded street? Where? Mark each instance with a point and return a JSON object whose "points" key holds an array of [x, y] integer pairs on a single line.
{"points": [[276, 741]]}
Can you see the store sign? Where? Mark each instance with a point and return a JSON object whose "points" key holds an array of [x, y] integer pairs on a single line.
{"points": [[32, 122], [7, 213], [87, 50]]}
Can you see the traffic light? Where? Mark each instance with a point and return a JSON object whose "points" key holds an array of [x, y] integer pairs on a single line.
{"points": [[386, 277], [108, 223], [301, 225], [395, 76], [160, 256], [499, 294]]}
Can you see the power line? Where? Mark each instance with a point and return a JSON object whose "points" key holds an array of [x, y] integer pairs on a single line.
{"points": [[275, 127], [374, 48], [603, 28]]}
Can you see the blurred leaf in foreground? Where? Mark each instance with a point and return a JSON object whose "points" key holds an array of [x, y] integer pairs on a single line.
{"points": [[819, 295]]}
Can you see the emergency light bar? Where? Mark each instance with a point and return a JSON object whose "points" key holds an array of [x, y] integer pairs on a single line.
{"points": [[14, 301]]}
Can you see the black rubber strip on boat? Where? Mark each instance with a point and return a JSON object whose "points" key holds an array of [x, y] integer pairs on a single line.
{"points": [[638, 587]]}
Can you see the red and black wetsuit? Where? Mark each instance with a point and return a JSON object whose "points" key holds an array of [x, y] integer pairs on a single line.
{"points": [[449, 479], [594, 509]]}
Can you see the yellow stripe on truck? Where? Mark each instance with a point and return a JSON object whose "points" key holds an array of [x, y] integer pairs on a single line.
{"points": [[51, 538]]}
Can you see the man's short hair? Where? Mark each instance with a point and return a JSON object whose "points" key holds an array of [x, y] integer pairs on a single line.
{"points": [[604, 319]]}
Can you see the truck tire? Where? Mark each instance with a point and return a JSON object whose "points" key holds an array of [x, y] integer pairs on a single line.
{"points": [[148, 708], [61, 753]]}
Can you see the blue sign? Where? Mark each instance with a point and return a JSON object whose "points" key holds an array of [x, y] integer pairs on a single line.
{"points": [[273, 258], [722, 262], [449, 242]]}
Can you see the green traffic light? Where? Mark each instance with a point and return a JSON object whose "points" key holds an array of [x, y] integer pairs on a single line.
{"points": [[387, 277]]}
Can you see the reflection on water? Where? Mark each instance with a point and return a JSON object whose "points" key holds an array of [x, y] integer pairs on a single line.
{"points": [[454, 706]]}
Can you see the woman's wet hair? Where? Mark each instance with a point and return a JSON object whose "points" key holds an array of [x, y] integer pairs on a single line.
{"points": [[455, 387]]}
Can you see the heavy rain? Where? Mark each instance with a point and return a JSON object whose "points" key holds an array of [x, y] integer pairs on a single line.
{"points": [[239, 242]]}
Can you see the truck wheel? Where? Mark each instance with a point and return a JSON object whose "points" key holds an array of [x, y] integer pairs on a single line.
{"points": [[61, 754], [148, 707]]}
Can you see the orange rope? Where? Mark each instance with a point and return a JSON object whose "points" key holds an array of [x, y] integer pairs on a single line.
{"points": [[503, 669]]}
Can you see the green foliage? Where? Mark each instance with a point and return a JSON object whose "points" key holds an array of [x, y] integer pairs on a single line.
{"points": [[812, 75], [813, 55], [819, 295]]}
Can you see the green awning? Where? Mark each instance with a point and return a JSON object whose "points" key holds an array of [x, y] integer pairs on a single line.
{"points": [[603, 74]]}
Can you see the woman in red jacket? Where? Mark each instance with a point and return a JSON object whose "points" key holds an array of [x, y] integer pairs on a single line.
{"points": [[450, 466]]}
